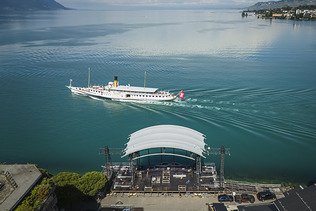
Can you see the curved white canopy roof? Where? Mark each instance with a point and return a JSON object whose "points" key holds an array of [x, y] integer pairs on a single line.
{"points": [[167, 136]]}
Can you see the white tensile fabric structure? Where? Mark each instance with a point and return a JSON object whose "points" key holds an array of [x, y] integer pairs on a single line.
{"points": [[166, 136]]}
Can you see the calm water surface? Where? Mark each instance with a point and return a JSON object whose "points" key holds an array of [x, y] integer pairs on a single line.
{"points": [[250, 85]]}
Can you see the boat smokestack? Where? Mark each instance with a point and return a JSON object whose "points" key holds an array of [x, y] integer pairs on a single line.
{"points": [[115, 82], [89, 77]]}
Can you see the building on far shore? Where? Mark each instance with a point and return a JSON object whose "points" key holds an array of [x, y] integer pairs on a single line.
{"points": [[17, 180], [290, 14]]}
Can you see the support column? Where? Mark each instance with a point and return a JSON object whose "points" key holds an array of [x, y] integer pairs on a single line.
{"points": [[221, 179], [108, 161], [161, 155], [198, 168], [131, 166], [148, 158]]}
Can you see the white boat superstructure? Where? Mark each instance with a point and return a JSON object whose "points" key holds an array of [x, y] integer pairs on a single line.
{"points": [[114, 91]]}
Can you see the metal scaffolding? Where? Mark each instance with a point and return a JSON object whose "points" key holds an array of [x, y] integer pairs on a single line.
{"points": [[134, 160], [108, 152], [222, 151]]}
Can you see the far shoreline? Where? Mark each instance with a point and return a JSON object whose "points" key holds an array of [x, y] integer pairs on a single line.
{"points": [[301, 13]]}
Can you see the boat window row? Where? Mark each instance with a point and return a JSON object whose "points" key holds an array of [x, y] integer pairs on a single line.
{"points": [[96, 91], [149, 96]]}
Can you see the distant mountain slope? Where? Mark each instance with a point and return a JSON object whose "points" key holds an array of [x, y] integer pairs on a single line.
{"points": [[27, 5], [280, 4]]}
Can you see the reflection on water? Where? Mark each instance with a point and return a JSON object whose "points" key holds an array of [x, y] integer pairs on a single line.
{"points": [[148, 33]]}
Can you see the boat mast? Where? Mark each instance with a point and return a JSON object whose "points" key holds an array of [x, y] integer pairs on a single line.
{"points": [[145, 74], [89, 75]]}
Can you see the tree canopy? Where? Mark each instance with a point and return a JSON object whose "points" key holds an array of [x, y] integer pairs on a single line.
{"points": [[37, 196], [70, 188], [91, 182]]}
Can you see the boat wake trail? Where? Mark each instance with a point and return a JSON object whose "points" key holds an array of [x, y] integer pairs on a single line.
{"points": [[254, 111], [257, 112]]}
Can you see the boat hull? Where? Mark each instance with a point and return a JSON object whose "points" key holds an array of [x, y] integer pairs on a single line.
{"points": [[121, 96]]}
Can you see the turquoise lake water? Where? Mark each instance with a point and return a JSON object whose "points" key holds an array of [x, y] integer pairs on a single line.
{"points": [[250, 85]]}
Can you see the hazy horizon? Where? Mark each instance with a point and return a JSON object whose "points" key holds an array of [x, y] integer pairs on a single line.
{"points": [[165, 4]]}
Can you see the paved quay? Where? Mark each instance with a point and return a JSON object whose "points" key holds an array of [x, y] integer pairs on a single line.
{"points": [[158, 202]]}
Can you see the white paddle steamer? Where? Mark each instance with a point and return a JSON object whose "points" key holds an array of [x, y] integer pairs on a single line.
{"points": [[115, 91]]}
